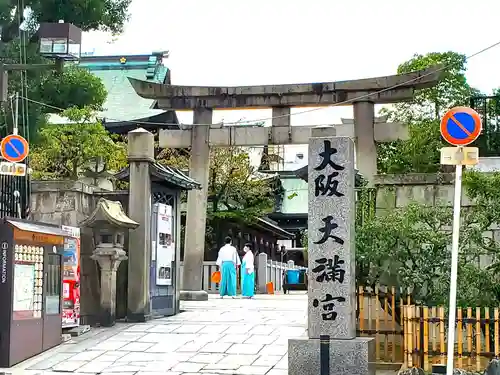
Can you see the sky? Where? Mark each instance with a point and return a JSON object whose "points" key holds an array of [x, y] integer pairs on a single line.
{"points": [[241, 42]]}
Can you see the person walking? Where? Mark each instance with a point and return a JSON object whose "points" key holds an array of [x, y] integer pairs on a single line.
{"points": [[248, 272], [228, 260]]}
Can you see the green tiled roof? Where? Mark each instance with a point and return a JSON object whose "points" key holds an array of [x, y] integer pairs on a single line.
{"points": [[295, 199], [122, 103]]}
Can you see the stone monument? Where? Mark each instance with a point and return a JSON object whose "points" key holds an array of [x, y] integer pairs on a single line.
{"points": [[109, 223], [332, 346]]}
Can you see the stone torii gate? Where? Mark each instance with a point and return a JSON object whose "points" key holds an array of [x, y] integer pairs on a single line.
{"points": [[203, 100]]}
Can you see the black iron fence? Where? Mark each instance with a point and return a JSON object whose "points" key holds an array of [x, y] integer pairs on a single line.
{"points": [[488, 108], [15, 192]]}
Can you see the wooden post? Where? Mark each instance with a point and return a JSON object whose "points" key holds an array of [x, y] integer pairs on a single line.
{"points": [[469, 336], [478, 338], [497, 348], [377, 324], [393, 325], [361, 299], [460, 337], [442, 342], [386, 324], [426, 338], [487, 330]]}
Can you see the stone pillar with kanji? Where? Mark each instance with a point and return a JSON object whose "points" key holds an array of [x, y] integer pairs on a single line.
{"points": [[332, 346]]}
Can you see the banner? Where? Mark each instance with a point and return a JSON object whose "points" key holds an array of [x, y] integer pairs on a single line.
{"points": [[164, 246], [71, 278]]}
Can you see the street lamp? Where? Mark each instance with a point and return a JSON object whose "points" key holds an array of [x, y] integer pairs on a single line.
{"points": [[60, 41]]}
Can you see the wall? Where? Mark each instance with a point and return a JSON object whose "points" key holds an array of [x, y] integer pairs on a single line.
{"points": [[396, 191], [68, 203]]}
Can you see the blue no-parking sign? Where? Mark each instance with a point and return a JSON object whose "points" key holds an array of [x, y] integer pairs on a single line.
{"points": [[461, 126]]}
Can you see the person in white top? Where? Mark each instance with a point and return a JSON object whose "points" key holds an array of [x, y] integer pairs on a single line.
{"points": [[248, 272], [227, 261]]}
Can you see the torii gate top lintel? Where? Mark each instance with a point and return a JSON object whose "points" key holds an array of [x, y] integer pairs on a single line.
{"points": [[397, 88]]}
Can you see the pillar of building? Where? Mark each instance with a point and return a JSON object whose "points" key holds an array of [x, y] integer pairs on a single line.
{"points": [[280, 117], [196, 219], [140, 154], [364, 133]]}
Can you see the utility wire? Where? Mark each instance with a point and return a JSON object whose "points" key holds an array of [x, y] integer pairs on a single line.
{"points": [[296, 113]]}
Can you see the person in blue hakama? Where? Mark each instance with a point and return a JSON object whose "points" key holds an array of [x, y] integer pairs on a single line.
{"points": [[228, 261], [248, 272]]}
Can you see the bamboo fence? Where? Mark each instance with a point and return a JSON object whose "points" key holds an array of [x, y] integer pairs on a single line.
{"points": [[416, 335], [477, 336], [377, 311]]}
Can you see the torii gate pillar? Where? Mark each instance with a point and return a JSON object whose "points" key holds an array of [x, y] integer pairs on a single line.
{"points": [[364, 130], [194, 235]]}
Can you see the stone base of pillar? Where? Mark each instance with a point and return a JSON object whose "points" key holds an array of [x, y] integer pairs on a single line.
{"points": [[346, 357], [107, 318], [137, 317], [193, 295]]}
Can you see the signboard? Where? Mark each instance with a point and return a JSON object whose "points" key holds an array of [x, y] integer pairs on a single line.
{"points": [[461, 126], [12, 169], [14, 148], [71, 278], [164, 246]]}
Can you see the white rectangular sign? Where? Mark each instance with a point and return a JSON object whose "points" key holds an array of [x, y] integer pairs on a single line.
{"points": [[12, 169]]}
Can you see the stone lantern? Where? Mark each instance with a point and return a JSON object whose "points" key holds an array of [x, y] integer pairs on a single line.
{"points": [[109, 223]]}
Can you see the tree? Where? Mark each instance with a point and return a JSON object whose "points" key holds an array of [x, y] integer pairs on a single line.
{"points": [[420, 154], [64, 90], [107, 15], [234, 187], [237, 192], [409, 247], [66, 151], [74, 87]]}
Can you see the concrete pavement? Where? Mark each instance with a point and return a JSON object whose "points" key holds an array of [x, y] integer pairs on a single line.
{"points": [[229, 336]]}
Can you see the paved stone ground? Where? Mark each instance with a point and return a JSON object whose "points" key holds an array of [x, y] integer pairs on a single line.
{"points": [[218, 337], [229, 336]]}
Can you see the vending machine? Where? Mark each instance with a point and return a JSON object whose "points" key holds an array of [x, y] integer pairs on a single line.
{"points": [[30, 289], [71, 278]]}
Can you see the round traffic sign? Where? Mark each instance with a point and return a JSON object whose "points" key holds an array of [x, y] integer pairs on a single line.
{"points": [[14, 148], [461, 126]]}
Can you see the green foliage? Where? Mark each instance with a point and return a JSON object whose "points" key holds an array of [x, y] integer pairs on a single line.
{"points": [[65, 151], [234, 190], [107, 15], [420, 154], [409, 247], [451, 90], [74, 87]]}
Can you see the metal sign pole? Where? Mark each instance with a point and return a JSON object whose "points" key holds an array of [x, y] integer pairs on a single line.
{"points": [[16, 114], [454, 269], [460, 126]]}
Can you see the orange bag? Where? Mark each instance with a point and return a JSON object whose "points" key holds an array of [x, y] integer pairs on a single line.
{"points": [[216, 277], [270, 287]]}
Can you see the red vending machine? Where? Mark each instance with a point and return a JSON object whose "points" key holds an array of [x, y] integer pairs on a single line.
{"points": [[71, 278]]}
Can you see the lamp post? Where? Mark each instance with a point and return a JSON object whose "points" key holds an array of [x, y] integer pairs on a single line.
{"points": [[58, 41]]}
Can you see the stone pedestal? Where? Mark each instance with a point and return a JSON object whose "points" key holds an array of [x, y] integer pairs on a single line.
{"points": [[261, 273], [109, 260], [340, 357]]}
